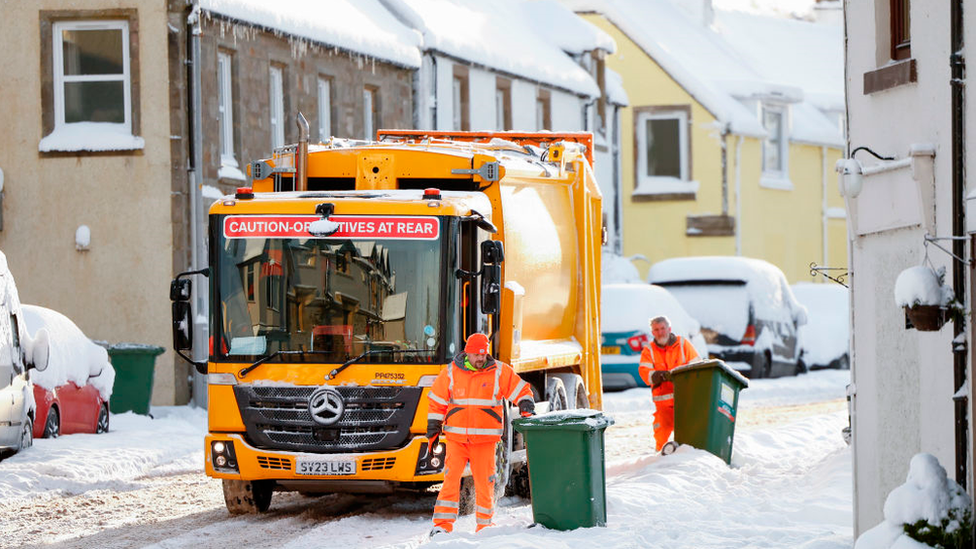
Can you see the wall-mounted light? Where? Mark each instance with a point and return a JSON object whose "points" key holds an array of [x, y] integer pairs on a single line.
{"points": [[852, 173], [82, 238]]}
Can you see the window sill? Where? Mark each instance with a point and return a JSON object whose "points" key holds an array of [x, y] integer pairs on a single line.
{"points": [[896, 73], [654, 189], [90, 137], [231, 172], [775, 182]]}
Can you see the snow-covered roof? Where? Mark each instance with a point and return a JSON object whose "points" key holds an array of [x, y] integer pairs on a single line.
{"points": [[72, 356], [560, 26], [740, 57], [794, 9], [360, 26], [616, 93], [497, 35]]}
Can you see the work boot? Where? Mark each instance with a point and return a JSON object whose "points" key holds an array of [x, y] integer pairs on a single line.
{"points": [[669, 448], [436, 530]]}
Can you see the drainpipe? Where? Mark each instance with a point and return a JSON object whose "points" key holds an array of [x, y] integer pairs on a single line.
{"points": [[195, 179], [823, 205], [957, 63], [618, 215], [433, 92], [725, 170], [738, 196]]}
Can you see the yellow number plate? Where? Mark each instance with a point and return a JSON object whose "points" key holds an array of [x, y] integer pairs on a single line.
{"points": [[610, 349]]}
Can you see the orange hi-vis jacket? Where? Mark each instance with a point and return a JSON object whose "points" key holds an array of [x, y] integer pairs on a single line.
{"points": [[469, 403], [678, 352]]}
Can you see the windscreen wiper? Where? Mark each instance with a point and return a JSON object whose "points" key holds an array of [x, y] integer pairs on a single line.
{"points": [[262, 360], [354, 360]]}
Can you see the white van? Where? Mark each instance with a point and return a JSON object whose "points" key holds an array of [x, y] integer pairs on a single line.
{"points": [[17, 358]]}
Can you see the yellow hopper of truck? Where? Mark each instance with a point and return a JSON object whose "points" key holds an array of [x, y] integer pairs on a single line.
{"points": [[350, 273]]}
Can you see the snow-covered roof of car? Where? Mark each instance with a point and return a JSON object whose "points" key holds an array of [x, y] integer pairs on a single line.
{"points": [[627, 306], [825, 336], [360, 26], [72, 356], [498, 35]]}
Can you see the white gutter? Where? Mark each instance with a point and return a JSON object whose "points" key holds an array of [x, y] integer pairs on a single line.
{"points": [[823, 207]]}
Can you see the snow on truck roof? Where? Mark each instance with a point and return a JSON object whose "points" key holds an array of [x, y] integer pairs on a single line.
{"points": [[360, 26]]}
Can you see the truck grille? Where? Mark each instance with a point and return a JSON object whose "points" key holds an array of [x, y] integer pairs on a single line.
{"points": [[375, 418]]}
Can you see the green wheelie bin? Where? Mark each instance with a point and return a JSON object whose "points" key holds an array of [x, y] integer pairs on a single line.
{"points": [[567, 476], [706, 397], [135, 365]]}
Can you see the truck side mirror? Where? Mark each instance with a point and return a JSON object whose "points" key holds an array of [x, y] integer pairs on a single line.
{"points": [[492, 252], [491, 288], [182, 327], [180, 289]]}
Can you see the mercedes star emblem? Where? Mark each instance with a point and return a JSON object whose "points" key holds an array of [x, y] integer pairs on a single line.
{"points": [[326, 406]]}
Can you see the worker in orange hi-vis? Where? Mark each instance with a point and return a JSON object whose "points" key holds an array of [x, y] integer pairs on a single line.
{"points": [[466, 403], [665, 353]]}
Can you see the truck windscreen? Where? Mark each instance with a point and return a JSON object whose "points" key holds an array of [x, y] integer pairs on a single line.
{"points": [[366, 287]]}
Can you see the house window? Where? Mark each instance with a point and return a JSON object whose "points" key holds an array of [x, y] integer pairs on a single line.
{"points": [[370, 118], [663, 147], [543, 110], [461, 120], [503, 105], [325, 109], [91, 92], [277, 105], [901, 32], [225, 110], [774, 151]]}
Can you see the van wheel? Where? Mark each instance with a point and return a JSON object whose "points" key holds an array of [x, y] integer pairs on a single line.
{"points": [[248, 497], [102, 425], [27, 435], [759, 366], [52, 427]]}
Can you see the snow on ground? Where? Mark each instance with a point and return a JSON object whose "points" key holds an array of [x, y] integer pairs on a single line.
{"points": [[142, 485], [135, 447]]}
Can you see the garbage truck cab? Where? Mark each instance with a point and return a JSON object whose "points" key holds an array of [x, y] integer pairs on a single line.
{"points": [[350, 273]]}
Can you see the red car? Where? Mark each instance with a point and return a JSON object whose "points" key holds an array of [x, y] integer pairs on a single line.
{"points": [[72, 393]]}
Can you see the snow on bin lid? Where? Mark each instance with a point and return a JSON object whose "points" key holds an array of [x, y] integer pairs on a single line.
{"points": [[712, 364], [584, 419]]}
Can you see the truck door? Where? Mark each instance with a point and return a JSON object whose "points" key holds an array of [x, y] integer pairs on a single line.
{"points": [[473, 319]]}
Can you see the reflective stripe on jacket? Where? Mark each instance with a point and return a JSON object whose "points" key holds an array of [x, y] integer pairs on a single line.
{"points": [[678, 352], [470, 402]]}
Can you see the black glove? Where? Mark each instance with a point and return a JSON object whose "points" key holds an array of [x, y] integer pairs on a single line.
{"points": [[659, 377], [526, 407], [433, 428]]}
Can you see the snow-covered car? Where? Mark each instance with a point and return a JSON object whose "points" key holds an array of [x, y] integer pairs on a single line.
{"points": [[19, 353], [625, 312], [825, 338], [72, 394], [748, 313]]}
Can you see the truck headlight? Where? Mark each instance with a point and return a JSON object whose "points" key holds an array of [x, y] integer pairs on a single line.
{"points": [[223, 456]]}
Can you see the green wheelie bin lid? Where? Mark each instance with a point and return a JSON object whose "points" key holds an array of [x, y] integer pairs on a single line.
{"points": [[567, 475], [135, 365], [706, 400]]}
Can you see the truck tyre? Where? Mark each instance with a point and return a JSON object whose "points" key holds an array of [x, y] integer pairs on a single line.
{"points": [[466, 497], [503, 454], [575, 390], [556, 394], [248, 496]]}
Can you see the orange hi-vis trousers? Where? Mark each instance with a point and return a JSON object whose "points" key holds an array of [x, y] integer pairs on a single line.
{"points": [[481, 456], [663, 422]]}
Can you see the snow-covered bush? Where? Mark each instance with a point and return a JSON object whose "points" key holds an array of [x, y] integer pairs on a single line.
{"points": [[922, 285], [929, 511]]}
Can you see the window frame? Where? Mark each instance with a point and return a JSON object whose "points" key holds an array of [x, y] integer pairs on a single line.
{"points": [[776, 178], [325, 107], [543, 109], [460, 99], [276, 103], [900, 29], [370, 112], [503, 104], [225, 108], [59, 78], [641, 115]]}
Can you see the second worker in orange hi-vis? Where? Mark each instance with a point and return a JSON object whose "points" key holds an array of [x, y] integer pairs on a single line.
{"points": [[665, 353], [466, 402]]}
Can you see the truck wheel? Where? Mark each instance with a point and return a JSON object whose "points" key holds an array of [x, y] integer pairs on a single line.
{"points": [[519, 483], [556, 394], [503, 454], [466, 497], [582, 401], [248, 496], [52, 427]]}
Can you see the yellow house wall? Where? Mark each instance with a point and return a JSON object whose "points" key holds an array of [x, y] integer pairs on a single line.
{"points": [[782, 227]]}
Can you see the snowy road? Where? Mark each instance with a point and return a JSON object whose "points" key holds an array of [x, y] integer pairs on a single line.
{"points": [[142, 485]]}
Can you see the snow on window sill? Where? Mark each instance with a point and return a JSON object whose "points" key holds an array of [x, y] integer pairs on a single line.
{"points": [[657, 186], [231, 172], [775, 182], [90, 136]]}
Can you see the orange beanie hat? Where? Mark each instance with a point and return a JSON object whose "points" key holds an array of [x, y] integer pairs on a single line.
{"points": [[477, 344]]}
